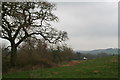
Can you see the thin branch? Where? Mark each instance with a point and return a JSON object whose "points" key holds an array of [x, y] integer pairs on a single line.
{"points": [[9, 26], [6, 38]]}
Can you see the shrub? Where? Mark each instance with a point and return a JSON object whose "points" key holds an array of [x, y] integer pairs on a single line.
{"points": [[34, 54]]}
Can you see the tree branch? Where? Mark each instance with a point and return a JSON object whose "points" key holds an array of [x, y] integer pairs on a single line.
{"points": [[7, 24], [17, 32], [22, 39], [6, 38]]}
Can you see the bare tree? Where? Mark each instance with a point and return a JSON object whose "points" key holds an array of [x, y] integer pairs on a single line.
{"points": [[21, 20]]}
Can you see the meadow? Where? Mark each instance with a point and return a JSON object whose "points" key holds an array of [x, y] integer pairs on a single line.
{"points": [[105, 67]]}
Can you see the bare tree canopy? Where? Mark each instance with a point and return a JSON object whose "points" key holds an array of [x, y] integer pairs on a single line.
{"points": [[21, 20]]}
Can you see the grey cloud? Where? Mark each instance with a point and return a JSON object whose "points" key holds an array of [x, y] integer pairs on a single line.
{"points": [[81, 20]]}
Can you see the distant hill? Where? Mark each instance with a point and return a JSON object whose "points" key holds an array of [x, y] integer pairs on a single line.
{"points": [[97, 51]]}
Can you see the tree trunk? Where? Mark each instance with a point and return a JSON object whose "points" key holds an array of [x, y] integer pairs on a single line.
{"points": [[13, 55]]}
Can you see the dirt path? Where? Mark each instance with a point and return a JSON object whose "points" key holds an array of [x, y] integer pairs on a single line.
{"points": [[71, 63]]}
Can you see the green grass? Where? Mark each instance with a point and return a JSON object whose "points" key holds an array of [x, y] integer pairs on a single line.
{"points": [[106, 67]]}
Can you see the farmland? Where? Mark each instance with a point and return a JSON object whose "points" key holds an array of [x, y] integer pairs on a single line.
{"points": [[106, 67]]}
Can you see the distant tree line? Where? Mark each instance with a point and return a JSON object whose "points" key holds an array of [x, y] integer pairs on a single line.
{"points": [[80, 56]]}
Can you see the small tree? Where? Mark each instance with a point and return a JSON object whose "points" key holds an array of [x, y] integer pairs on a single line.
{"points": [[21, 20]]}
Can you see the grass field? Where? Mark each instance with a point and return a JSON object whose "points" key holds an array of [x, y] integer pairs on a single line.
{"points": [[106, 67]]}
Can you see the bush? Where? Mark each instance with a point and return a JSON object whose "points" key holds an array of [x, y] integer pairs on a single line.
{"points": [[34, 54], [32, 60], [62, 54]]}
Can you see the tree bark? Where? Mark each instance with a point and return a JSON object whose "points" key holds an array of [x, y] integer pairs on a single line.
{"points": [[13, 55]]}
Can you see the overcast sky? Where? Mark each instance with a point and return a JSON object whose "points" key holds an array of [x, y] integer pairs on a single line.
{"points": [[90, 25]]}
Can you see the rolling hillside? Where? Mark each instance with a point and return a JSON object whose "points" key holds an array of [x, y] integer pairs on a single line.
{"points": [[97, 51]]}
